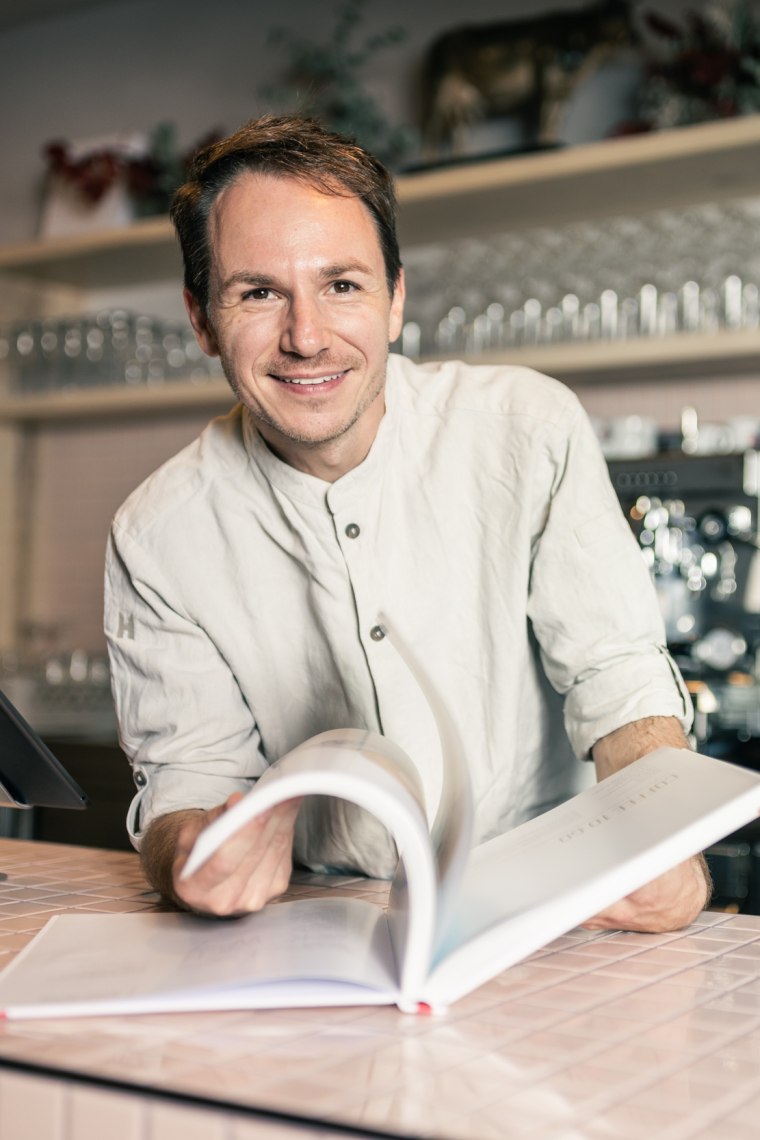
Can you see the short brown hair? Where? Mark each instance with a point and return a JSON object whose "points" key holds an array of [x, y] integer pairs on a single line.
{"points": [[289, 147]]}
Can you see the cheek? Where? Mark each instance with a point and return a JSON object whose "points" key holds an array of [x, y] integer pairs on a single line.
{"points": [[243, 338], [365, 330]]}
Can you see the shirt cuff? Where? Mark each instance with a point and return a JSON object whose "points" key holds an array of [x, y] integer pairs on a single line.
{"points": [[641, 686]]}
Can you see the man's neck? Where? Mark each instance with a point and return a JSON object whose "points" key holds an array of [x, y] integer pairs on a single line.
{"points": [[326, 461]]}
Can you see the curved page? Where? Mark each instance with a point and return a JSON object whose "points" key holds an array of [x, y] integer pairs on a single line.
{"points": [[453, 824], [371, 772]]}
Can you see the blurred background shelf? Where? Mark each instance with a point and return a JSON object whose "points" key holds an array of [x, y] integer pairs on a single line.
{"points": [[86, 403], [733, 351], [689, 354], [145, 250], [710, 162]]}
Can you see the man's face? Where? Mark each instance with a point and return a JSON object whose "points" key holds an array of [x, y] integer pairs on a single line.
{"points": [[301, 316]]}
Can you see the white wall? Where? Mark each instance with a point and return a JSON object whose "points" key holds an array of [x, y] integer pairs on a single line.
{"points": [[127, 65]]}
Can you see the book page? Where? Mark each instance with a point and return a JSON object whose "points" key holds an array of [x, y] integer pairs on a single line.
{"points": [[555, 872], [372, 772], [453, 824], [315, 951]]}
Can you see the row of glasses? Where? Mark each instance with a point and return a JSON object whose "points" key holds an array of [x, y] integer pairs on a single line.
{"points": [[110, 347], [650, 312], [616, 278]]}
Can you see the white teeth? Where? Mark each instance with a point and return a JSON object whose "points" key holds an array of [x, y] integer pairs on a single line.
{"points": [[308, 380]]}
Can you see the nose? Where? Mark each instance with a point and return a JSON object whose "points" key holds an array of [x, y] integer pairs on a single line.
{"points": [[305, 331]]}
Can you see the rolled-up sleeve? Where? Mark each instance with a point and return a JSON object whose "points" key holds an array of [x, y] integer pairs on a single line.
{"points": [[592, 603], [184, 725]]}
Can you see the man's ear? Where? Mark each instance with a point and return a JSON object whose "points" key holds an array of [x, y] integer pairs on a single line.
{"points": [[201, 327], [396, 317]]}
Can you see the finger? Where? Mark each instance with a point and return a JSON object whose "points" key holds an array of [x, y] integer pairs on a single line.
{"points": [[258, 847], [273, 875], [240, 876], [244, 848], [264, 870]]}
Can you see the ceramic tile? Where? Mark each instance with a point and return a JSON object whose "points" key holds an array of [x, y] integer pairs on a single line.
{"points": [[733, 1066], [747, 1110], [596, 1035], [749, 922], [631, 1120], [555, 1045], [573, 996], [571, 959], [707, 979], [636, 1056], [598, 1025], [684, 1091], [728, 932], [724, 1129], [640, 968]]}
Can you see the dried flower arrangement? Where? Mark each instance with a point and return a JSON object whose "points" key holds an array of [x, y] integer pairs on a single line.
{"points": [[704, 68], [150, 178]]}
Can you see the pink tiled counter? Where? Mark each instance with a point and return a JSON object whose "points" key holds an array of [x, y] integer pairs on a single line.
{"points": [[598, 1035]]}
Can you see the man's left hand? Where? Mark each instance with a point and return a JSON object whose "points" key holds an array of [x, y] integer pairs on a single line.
{"points": [[670, 902], [674, 899]]}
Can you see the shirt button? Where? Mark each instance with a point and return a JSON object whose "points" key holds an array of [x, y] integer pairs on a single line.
{"points": [[352, 530], [140, 778], [377, 633]]}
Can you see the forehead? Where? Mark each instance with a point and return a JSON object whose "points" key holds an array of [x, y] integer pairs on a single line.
{"points": [[273, 214]]}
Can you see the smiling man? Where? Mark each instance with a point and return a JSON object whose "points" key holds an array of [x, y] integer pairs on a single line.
{"points": [[246, 578], [303, 338]]}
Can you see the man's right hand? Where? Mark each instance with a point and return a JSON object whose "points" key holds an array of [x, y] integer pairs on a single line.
{"points": [[250, 868]]}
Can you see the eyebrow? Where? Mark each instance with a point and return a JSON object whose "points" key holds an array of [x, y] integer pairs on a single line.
{"points": [[247, 277], [266, 281]]}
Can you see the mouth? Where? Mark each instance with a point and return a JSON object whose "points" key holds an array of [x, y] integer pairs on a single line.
{"points": [[309, 381]]}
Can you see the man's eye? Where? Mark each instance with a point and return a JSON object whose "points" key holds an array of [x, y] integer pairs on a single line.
{"points": [[259, 294], [344, 287]]}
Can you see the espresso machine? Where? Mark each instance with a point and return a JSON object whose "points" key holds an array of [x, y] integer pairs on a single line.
{"points": [[696, 518]]}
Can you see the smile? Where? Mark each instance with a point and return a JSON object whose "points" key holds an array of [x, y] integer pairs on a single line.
{"points": [[310, 380]]}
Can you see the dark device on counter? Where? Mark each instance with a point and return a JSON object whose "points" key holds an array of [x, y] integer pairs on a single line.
{"points": [[30, 775]]}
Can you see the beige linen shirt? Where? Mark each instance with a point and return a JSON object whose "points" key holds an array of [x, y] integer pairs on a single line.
{"points": [[244, 600]]}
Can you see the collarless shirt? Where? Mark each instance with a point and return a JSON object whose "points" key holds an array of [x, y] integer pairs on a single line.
{"points": [[250, 606]]}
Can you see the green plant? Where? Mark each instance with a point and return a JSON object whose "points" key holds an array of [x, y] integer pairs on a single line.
{"points": [[325, 81]]}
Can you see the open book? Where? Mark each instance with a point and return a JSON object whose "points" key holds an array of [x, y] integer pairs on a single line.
{"points": [[456, 916]]}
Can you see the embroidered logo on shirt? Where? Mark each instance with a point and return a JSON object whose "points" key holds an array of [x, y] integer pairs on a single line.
{"points": [[126, 626]]}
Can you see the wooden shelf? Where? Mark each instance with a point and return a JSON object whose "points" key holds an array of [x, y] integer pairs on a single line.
{"points": [[144, 251], [653, 358], [731, 352], [711, 162], [706, 163], [103, 403]]}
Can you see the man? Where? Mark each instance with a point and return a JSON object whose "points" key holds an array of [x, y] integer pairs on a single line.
{"points": [[248, 578]]}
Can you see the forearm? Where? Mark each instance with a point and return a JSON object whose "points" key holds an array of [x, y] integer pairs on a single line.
{"points": [[159, 849], [632, 741]]}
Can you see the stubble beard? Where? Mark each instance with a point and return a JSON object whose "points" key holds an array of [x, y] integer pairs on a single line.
{"points": [[262, 415]]}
